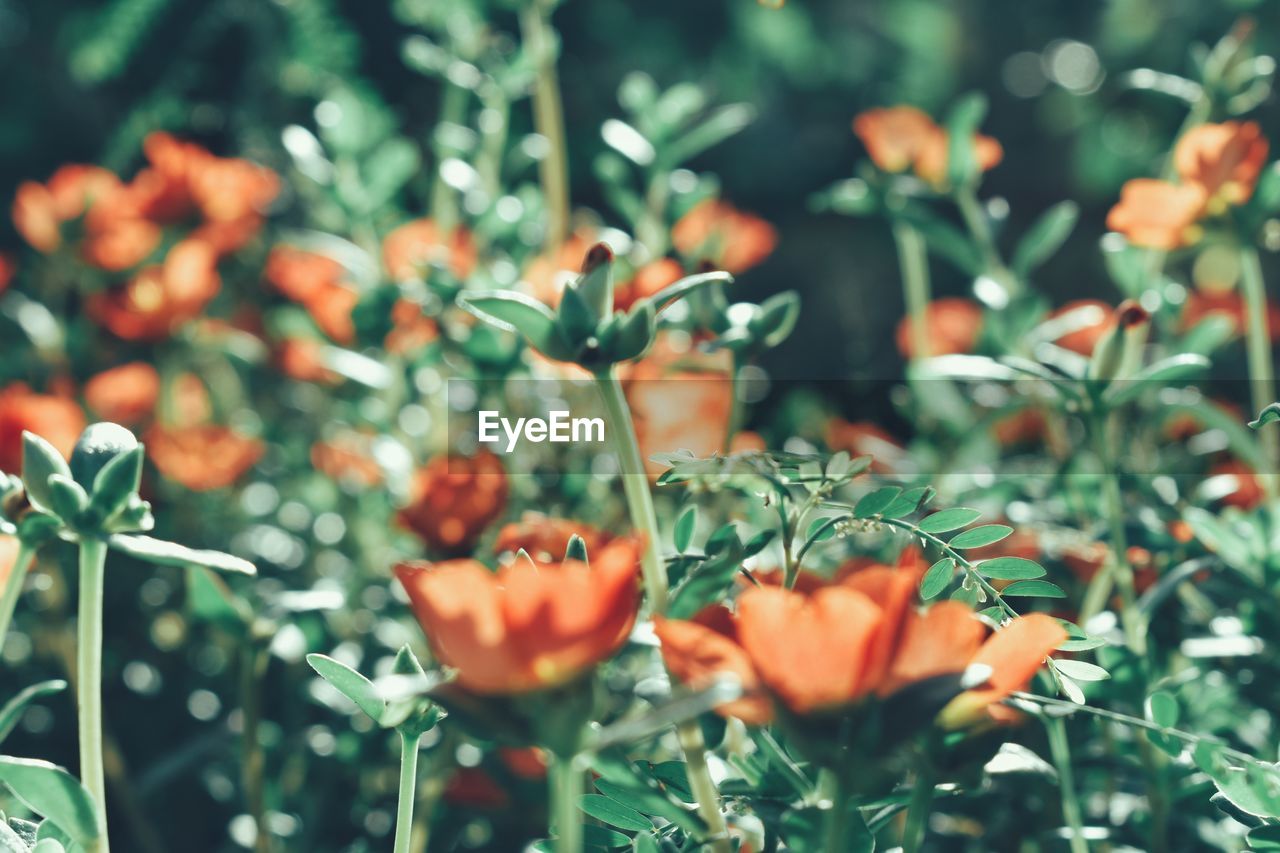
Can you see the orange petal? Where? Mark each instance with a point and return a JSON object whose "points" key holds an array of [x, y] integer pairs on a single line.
{"points": [[1014, 654], [695, 654], [937, 643]]}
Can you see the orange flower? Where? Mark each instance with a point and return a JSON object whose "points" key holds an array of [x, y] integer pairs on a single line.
{"points": [[546, 538], [698, 652], [1085, 336], [414, 246], [411, 330], [902, 137], [454, 498], [1158, 214], [1248, 491], [679, 400], [547, 274], [160, 299], [1202, 304], [58, 420], [317, 283], [527, 762], [474, 788], [529, 626], [716, 231], [347, 458], [953, 323], [39, 210], [1224, 160], [126, 394], [301, 359], [858, 638], [202, 457], [1025, 426], [864, 438], [646, 282]]}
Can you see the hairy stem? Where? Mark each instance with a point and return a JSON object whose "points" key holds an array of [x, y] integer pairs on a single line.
{"points": [[548, 119], [566, 790], [93, 558], [13, 586], [408, 788], [1060, 749]]}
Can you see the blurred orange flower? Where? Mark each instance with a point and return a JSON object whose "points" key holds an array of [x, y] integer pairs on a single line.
{"points": [[410, 328], [302, 359], [864, 438], [530, 625], [954, 324], [699, 651], [454, 498], [1095, 323], [414, 246], [1248, 492], [646, 282], [1158, 214], [347, 458], [126, 394], [316, 282], [902, 137], [158, 300], [58, 420], [718, 232], [202, 457], [1224, 160], [39, 210], [1202, 304], [546, 538], [856, 638]]}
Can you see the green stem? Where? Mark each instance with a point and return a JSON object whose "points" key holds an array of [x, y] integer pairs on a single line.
{"points": [[702, 786], [734, 422], [408, 787], [548, 119], [1261, 368], [93, 558], [635, 484], [1071, 812], [566, 790], [914, 263], [833, 788], [918, 809], [13, 586], [253, 661], [975, 219], [444, 202]]}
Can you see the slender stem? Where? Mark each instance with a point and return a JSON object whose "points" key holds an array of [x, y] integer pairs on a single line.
{"points": [[734, 421], [408, 787], [566, 790], [13, 586], [1261, 368], [548, 119], [975, 219], [444, 201], [93, 558], [918, 809], [834, 791], [635, 484], [253, 762], [1071, 812], [914, 264], [702, 786]]}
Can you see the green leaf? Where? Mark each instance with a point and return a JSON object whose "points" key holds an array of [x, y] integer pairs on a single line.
{"points": [[14, 708], [162, 553], [40, 461], [908, 502], [210, 599], [1045, 236], [685, 525], [874, 502], [576, 549], [979, 537], [1269, 415], [351, 684], [50, 791], [717, 127], [68, 498], [99, 444], [683, 287], [577, 320], [1162, 709], [635, 333], [777, 318], [648, 799], [614, 813], [1011, 569], [519, 313], [944, 521], [1033, 589], [1166, 371], [596, 285], [1079, 670], [118, 480], [937, 579], [962, 124]]}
